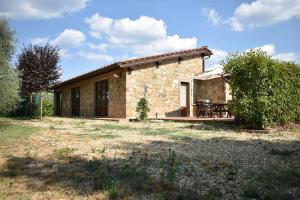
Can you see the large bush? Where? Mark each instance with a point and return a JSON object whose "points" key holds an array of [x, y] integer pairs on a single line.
{"points": [[266, 91]]}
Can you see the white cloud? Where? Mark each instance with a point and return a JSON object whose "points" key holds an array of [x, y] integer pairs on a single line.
{"points": [[263, 13], [215, 60], [235, 24], [142, 30], [212, 15], [64, 53], [95, 56], [219, 55], [288, 57], [99, 47], [95, 34], [69, 38], [99, 24], [142, 36], [268, 48], [271, 51], [33, 9], [167, 44]]}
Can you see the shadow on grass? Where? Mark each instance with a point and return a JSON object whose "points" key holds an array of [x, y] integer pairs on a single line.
{"points": [[134, 174], [215, 126]]}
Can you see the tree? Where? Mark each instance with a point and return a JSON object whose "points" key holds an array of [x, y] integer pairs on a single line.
{"points": [[266, 91], [40, 69], [9, 77]]}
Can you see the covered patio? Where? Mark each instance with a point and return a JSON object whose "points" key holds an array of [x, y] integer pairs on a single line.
{"points": [[211, 95]]}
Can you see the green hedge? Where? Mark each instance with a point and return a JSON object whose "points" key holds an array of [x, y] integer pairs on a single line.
{"points": [[266, 92]]}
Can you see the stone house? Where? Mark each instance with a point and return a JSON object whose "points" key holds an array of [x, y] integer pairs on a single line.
{"points": [[172, 82]]}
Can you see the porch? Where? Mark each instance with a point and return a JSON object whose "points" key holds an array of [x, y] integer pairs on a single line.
{"points": [[212, 90]]}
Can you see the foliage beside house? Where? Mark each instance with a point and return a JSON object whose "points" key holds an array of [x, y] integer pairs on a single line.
{"points": [[266, 91]]}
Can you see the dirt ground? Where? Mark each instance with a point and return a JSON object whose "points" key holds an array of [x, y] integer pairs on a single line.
{"points": [[65, 158]]}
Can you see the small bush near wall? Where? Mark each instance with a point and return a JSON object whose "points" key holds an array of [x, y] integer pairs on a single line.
{"points": [[266, 92], [48, 104], [142, 107]]}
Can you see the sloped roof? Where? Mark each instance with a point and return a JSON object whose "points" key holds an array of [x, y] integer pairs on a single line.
{"points": [[203, 51], [216, 73]]}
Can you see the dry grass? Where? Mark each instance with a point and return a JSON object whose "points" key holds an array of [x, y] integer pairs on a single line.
{"points": [[60, 158]]}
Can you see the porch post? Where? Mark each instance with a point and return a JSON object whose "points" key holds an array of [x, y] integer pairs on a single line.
{"points": [[191, 96]]}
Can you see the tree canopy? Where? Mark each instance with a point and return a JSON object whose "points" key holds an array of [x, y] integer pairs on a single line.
{"points": [[9, 80], [266, 91], [40, 68]]}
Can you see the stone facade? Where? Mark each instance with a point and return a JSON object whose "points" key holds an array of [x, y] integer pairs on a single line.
{"points": [[213, 89], [116, 106], [163, 84], [162, 81]]}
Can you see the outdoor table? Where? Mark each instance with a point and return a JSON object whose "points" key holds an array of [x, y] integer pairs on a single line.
{"points": [[219, 108]]}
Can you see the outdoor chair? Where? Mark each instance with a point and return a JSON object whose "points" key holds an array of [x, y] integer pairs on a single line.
{"points": [[203, 109]]}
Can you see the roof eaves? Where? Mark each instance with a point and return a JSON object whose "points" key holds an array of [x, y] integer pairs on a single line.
{"points": [[84, 76]]}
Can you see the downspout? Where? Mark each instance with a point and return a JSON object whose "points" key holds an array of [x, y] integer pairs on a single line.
{"points": [[203, 63]]}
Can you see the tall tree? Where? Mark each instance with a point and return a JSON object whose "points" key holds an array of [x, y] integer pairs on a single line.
{"points": [[9, 78], [39, 67]]}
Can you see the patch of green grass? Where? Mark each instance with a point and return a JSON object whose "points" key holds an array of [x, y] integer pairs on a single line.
{"points": [[104, 134], [12, 133], [213, 126], [113, 126], [52, 127], [159, 131], [63, 152]]}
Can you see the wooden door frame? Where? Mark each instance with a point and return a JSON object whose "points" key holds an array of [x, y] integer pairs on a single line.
{"points": [[73, 103], [188, 103], [58, 108], [97, 108]]}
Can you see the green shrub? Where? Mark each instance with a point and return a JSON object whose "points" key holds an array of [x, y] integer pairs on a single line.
{"points": [[266, 92], [142, 107], [48, 104]]}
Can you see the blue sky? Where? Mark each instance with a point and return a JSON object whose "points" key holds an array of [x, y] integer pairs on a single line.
{"points": [[92, 33]]}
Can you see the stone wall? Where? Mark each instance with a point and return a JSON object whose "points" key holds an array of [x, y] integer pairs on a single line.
{"points": [[162, 82], [213, 89], [116, 107], [228, 92]]}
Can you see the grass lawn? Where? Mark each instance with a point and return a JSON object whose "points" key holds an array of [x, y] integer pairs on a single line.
{"points": [[60, 158]]}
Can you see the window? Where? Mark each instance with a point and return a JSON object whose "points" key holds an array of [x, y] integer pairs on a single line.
{"points": [[58, 103], [101, 100], [76, 101]]}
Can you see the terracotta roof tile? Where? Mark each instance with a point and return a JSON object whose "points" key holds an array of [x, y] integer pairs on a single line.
{"points": [[136, 62]]}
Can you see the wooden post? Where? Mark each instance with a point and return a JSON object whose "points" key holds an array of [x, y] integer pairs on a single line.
{"points": [[30, 106], [41, 106]]}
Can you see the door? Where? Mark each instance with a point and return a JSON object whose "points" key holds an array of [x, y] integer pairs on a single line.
{"points": [[102, 95], [58, 103], [184, 99], [76, 101]]}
